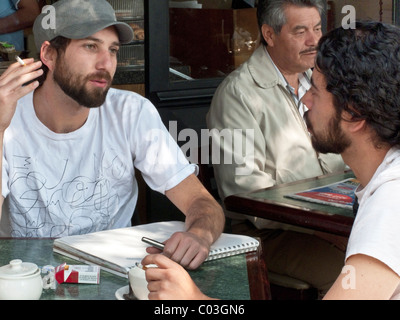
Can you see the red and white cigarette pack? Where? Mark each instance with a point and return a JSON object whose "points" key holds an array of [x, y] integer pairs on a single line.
{"points": [[77, 274]]}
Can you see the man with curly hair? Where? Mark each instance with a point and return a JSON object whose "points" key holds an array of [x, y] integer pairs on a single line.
{"points": [[354, 110]]}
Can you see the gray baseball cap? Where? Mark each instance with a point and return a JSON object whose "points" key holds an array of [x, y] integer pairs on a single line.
{"points": [[78, 19]]}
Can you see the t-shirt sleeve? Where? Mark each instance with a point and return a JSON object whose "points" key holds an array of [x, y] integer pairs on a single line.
{"points": [[376, 228], [156, 154]]}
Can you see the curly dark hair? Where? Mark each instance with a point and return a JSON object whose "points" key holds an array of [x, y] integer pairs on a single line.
{"points": [[362, 71]]}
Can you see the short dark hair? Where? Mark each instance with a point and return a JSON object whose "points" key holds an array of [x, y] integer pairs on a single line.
{"points": [[361, 67], [272, 12], [60, 45]]}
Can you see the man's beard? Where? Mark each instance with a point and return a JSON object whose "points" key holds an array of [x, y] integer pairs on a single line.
{"points": [[333, 141], [74, 86]]}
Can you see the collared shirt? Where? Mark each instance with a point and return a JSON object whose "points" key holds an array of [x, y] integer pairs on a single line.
{"points": [[304, 86], [279, 149]]}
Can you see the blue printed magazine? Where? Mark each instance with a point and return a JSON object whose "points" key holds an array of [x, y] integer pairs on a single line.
{"points": [[339, 194]]}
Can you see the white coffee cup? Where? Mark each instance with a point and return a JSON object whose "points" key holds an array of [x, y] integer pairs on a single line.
{"points": [[138, 283]]}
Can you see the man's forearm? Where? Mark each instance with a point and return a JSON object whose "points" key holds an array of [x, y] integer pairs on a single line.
{"points": [[206, 219], [19, 20]]}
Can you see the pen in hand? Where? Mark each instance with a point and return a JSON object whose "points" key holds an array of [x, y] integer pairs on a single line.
{"points": [[153, 243]]}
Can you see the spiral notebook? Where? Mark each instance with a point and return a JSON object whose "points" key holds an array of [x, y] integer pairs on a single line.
{"points": [[118, 250]]}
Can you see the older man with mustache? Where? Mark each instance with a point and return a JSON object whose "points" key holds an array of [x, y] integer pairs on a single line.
{"points": [[264, 94]]}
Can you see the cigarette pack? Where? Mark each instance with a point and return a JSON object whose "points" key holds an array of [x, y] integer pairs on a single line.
{"points": [[77, 274]]}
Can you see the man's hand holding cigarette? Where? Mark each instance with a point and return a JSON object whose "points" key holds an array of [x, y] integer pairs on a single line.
{"points": [[12, 88]]}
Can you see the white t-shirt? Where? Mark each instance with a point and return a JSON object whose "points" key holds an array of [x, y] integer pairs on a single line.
{"points": [[84, 181], [376, 229]]}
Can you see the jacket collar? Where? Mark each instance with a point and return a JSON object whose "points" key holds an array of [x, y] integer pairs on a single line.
{"points": [[262, 70]]}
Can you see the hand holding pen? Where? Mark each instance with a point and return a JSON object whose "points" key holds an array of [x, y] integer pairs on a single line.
{"points": [[185, 248]]}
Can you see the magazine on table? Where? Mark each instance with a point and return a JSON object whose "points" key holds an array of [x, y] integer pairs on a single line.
{"points": [[339, 194]]}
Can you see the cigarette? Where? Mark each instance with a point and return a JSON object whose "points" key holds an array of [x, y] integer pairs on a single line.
{"points": [[139, 265], [21, 62]]}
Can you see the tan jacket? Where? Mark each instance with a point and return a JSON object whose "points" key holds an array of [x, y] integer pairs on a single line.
{"points": [[255, 97]]}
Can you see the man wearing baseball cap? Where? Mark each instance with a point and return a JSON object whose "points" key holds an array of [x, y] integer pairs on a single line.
{"points": [[78, 19], [70, 144]]}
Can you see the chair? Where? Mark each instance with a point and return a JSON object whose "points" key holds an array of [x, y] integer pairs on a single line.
{"points": [[282, 287]]}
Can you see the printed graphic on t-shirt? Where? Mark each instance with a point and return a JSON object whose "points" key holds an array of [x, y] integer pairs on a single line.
{"points": [[57, 201]]}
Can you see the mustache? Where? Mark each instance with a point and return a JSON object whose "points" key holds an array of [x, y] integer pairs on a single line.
{"points": [[103, 75], [312, 49]]}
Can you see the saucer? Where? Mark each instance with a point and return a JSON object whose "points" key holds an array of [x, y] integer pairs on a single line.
{"points": [[121, 292]]}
